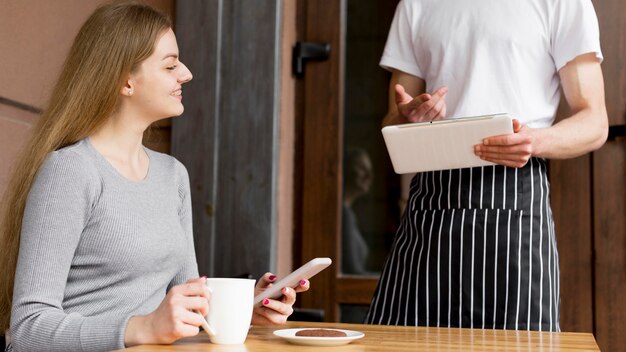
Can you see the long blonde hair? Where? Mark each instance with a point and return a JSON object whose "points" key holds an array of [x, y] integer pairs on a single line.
{"points": [[112, 43]]}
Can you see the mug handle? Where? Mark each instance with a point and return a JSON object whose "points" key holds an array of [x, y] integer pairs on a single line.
{"points": [[205, 325]]}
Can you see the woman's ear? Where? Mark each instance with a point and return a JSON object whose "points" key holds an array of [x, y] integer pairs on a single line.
{"points": [[127, 89]]}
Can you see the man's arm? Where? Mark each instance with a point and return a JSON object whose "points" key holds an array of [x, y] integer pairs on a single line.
{"points": [[584, 131], [587, 129], [408, 101]]}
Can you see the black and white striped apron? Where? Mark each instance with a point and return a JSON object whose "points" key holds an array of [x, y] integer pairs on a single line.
{"points": [[475, 249]]}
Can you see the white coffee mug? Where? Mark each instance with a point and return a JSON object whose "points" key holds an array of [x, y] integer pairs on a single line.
{"points": [[230, 310]]}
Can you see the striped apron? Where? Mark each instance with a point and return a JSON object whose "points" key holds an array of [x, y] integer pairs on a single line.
{"points": [[475, 249]]}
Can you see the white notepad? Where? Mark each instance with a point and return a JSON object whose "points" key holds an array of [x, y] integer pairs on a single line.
{"points": [[443, 144]]}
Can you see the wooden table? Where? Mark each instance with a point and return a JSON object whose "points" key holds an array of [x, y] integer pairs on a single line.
{"points": [[396, 338]]}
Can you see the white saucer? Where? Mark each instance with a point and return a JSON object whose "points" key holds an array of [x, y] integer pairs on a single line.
{"points": [[290, 335]]}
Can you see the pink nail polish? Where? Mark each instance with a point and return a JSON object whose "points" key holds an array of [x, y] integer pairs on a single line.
{"points": [[266, 302], [272, 277], [302, 282], [203, 277]]}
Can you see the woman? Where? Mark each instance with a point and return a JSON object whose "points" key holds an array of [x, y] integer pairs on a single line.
{"points": [[102, 224]]}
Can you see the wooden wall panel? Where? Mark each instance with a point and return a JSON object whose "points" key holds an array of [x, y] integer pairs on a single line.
{"points": [[248, 136], [609, 186], [194, 133], [227, 136], [570, 183], [609, 181], [612, 21]]}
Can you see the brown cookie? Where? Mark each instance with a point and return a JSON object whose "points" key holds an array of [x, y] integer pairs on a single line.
{"points": [[321, 333]]}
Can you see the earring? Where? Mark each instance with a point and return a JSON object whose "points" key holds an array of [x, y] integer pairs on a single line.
{"points": [[130, 92]]}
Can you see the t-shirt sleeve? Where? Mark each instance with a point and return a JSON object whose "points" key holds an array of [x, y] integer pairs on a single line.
{"points": [[57, 210], [189, 269], [399, 50], [575, 31]]}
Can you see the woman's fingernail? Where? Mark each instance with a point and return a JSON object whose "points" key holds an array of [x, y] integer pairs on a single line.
{"points": [[203, 277], [303, 282], [266, 302], [272, 277]]}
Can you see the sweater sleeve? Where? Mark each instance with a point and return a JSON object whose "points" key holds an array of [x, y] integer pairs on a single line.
{"points": [[189, 270], [57, 210]]}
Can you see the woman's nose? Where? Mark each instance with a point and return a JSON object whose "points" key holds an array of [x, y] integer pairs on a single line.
{"points": [[185, 75]]}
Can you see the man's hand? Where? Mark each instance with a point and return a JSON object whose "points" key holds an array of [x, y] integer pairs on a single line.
{"points": [[513, 150], [424, 107]]}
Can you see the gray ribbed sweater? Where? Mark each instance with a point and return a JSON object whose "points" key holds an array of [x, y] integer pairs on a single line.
{"points": [[97, 248]]}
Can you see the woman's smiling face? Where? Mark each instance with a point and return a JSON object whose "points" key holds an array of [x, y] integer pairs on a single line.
{"points": [[157, 83]]}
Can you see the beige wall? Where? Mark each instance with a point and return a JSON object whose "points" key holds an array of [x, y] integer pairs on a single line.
{"points": [[35, 36]]}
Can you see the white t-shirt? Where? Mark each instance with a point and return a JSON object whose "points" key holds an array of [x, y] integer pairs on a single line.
{"points": [[493, 55]]}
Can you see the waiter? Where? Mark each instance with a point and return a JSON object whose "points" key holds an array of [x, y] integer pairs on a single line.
{"points": [[476, 247]]}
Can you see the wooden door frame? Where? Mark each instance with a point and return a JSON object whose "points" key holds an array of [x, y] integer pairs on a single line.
{"points": [[320, 100], [321, 94]]}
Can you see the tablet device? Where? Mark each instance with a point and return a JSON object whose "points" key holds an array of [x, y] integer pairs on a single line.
{"points": [[292, 280], [442, 144]]}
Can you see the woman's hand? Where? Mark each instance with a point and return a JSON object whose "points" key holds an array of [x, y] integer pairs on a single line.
{"points": [[178, 316], [424, 107], [513, 150], [274, 312]]}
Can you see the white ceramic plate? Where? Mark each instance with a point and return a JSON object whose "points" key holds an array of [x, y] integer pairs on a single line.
{"points": [[290, 335]]}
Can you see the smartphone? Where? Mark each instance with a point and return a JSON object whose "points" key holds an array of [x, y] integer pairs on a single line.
{"points": [[292, 280]]}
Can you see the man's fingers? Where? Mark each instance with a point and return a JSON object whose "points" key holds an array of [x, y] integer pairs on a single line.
{"points": [[442, 114], [435, 110], [422, 107], [518, 149], [517, 126], [402, 97], [440, 92], [418, 101], [508, 139], [436, 100], [516, 163]]}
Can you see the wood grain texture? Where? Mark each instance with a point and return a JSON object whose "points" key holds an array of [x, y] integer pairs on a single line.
{"points": [[356, 289], [398, 338], [322, 150], [612, 21], [194, 134], [609, 180], [571, 204], [229, 133]]}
